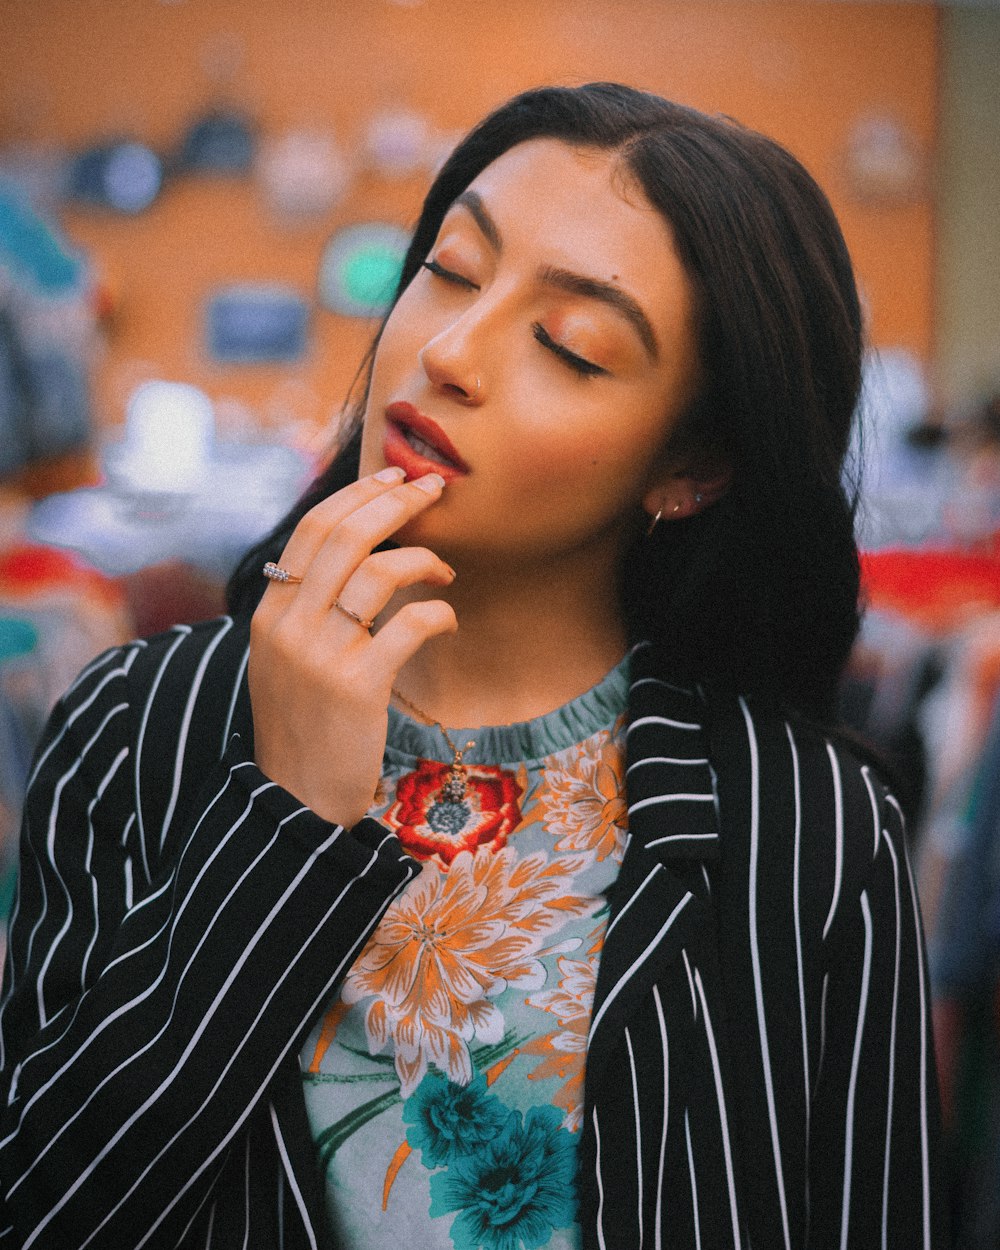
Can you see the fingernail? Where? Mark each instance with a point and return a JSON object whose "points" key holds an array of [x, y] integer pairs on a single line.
{"points": [[430, 482], [393, 474], [451, 571]]}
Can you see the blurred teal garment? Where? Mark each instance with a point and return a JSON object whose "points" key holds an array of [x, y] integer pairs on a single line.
{"points": [[31, 250], [18, 640], [17, 637]]}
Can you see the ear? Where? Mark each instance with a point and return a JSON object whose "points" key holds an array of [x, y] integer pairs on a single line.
{"points": [[685, 493]]}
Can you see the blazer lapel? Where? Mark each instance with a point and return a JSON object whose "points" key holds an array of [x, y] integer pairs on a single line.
{"points": [[660, 900], [294, 1144]]}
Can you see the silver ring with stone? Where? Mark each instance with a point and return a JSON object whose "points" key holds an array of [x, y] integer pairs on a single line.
{"points": [[275, 573]]}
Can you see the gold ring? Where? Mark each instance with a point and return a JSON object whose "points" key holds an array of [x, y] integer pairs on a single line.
{"points": [[275, 573], [353, 615]]}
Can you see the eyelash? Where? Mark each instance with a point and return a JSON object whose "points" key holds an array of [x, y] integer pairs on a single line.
{"points": [[448, 275], [585, 368]]}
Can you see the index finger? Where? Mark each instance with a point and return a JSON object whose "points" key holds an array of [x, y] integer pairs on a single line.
{"points": [[355, 536], [338, 533], [311, 532]]}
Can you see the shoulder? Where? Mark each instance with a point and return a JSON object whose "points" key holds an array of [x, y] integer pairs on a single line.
{"points": [[209, 650], [141, 729], [151, 690], [779, 755], [801, 801], [208, 653]]}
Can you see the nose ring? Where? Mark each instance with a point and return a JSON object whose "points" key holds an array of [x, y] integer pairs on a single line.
{"points": [[470, 396]]}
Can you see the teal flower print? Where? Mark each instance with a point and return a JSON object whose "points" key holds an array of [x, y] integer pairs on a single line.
{"points": [[515, 1189], [448, 1120]]}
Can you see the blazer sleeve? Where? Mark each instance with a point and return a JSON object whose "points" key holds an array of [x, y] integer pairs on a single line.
{"points": [[875, 1172], [148, 1003]]}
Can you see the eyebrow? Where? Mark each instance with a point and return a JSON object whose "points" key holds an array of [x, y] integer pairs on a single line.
{"points": [[566, 280]]}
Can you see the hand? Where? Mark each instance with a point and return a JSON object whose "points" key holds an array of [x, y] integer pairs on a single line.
{"points": [[320, 683]]}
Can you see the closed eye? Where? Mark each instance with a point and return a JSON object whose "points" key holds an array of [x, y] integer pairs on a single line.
{"points": [[448, 275], [586, 368]]}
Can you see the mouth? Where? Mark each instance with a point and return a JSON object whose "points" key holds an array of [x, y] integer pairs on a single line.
{"points": [[417, 444]]}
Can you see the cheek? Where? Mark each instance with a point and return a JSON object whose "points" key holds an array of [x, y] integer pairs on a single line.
{"points": [[594, 447]]}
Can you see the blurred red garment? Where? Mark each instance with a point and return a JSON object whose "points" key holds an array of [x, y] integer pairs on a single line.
{"points": [[938, 589], [29, 568]]}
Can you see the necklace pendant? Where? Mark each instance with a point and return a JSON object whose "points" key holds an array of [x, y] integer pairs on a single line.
{"points": [[453, 790]]}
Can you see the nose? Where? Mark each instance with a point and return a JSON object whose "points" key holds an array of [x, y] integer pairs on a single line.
{"points": [[449, 362]]}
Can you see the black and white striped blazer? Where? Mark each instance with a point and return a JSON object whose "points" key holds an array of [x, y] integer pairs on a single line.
{"points": [[759, 1069]]}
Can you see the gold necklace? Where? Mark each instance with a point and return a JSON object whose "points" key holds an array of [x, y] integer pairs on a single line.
{"points": [[453, 790]]}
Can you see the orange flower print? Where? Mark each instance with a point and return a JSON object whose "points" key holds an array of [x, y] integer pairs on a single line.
{"points": [[583, 803], [571, 1003], [430, 821], [448, 946]]}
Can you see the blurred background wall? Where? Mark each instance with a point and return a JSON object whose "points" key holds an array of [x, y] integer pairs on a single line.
{"points": [[967, 307], [814, 75]]}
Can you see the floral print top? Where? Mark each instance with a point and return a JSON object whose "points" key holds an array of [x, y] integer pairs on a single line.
{"points": [[444, 1084]]}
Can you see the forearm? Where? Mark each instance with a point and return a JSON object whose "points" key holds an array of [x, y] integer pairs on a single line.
{"points": [[127, 1099]]}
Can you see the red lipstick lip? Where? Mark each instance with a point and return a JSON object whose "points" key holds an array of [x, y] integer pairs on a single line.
{"points": [[402, 416]]}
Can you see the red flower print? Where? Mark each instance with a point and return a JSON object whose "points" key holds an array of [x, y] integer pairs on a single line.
{"points": [[431, 821]]}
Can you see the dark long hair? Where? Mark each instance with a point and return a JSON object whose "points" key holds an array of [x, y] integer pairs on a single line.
{"points": [[758, 593]]}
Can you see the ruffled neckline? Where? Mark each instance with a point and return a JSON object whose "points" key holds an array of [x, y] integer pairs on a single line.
{"points": [[521, 742]]}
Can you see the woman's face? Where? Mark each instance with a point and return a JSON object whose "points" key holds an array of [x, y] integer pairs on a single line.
{"points": [[537, 361]]}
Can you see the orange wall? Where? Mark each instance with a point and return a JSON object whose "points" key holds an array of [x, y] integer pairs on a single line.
{"points": [[75, 70]]}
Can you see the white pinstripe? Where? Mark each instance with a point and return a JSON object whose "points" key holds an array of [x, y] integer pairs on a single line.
{"points": [[727, 1148], [892, 1044], [845, 1223], [185, 727], [638, 1131], [925, 1196], [183, 632], [660, 1171], [637, 964], [772, 1114], [838, 807]]}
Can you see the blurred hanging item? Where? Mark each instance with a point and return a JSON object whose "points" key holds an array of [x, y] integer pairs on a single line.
{"points": [[940, 589], [39, 171], [303, 173], [256, 323], [221, 141], [175, 490], [123, 175], [56, 614], [360, 268], [905, 478], [169, 431], [30, 249], [883, 162], [46, 337], [398, 142]]}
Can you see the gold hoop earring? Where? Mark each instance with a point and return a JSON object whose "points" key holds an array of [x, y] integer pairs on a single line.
{"points": [[652, 525]]}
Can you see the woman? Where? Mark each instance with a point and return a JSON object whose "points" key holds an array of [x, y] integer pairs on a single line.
{"points": [[634, 961]]}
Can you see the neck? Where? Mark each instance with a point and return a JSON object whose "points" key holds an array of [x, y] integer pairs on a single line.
{"points": [[527, 642]]}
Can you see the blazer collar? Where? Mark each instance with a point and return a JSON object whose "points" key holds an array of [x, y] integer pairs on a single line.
{"points": [[659, 904], [673, 808]]}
